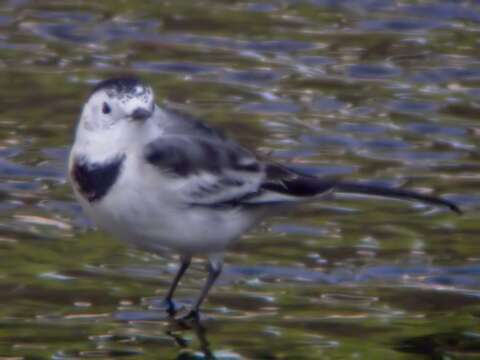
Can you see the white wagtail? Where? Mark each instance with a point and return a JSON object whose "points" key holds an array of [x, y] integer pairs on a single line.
{"points": [[159, 179]]}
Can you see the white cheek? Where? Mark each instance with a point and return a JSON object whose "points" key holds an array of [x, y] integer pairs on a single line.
{"points": [[95, 119], [89, 120]]}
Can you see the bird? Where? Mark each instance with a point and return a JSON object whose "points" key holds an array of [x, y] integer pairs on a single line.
{"points": [[162, 180]]}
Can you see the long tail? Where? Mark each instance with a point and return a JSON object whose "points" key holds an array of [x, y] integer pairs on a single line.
{"points": [[367, 189]]}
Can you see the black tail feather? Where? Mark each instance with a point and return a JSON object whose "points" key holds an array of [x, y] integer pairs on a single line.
{"points": [[377, 190], [293, 182]]}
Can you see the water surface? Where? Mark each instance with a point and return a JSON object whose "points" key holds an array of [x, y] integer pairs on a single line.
{"points": [[383, 90]]}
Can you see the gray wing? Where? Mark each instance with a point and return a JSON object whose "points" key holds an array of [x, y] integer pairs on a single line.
{"points": [[212, 172], [215, 172]]}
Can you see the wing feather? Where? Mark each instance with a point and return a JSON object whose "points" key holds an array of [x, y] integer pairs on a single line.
{"points": [[213, 172]]}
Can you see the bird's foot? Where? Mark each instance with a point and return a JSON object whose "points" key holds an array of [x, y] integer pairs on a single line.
{"points": [[192, 316], [169, 307]]}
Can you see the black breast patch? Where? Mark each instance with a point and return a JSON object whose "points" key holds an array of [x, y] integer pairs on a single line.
{"points": [[94, 180]]}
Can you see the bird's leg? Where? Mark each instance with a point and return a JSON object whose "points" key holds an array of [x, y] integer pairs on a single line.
{"points": [[184, 264], [215, 266]]}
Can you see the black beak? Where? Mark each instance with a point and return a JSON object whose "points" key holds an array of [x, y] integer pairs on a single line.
{"points": [[141, 114]]}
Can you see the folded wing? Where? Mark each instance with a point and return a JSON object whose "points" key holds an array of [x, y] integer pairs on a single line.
{"points": [[216, 172]]}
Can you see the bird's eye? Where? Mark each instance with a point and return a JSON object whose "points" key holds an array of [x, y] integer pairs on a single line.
{"points": [[106, 108]]}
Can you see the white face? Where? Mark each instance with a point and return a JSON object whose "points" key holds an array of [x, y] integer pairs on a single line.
{"points": [[115, 102]]}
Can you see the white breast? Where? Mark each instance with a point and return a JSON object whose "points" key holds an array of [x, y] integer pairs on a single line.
{"points": [[145, 209]]}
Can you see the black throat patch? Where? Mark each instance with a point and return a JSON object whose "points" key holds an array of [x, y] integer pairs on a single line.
{"points": [[94, 180]]}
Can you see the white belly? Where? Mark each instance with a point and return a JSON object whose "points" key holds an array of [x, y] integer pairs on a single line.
{"points": [[140, 213]]}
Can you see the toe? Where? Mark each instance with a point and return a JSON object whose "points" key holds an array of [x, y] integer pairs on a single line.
{"points": [[168, 306], [192, 315]]}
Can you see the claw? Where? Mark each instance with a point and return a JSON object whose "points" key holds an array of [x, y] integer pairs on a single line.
{"points": [[191, 316]]}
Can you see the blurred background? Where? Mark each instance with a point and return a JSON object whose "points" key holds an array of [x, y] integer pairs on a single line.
{"points": [[384, 90]]}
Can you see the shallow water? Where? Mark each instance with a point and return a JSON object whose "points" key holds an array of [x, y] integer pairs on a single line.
{"points": [[383, 90]]}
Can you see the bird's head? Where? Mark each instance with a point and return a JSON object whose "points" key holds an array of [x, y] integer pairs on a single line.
{"points": [[118, 101]]}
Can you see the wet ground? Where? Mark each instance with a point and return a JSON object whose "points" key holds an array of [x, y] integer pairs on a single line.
{"points": [[383, 90]]}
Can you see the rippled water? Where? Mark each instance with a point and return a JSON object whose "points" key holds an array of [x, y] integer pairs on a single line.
{"points": [[384, 90]]}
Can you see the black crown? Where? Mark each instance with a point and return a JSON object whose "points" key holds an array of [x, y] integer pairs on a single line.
{"points": [[121, 85]]}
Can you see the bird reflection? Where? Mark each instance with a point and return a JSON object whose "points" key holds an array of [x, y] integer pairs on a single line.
{"points": [[200, 333]]}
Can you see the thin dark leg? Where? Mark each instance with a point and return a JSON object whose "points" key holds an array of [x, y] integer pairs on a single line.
{"points": [[184, 264], [214, 270]]}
